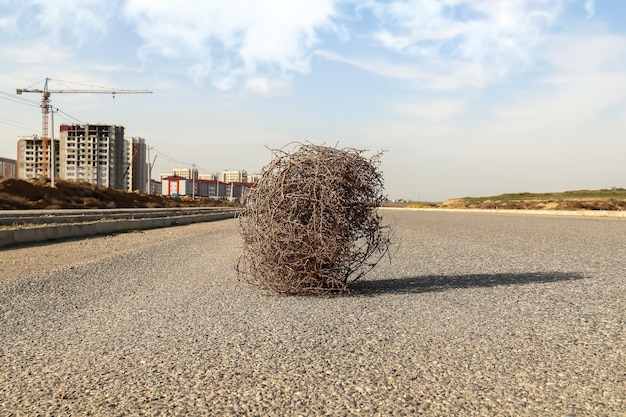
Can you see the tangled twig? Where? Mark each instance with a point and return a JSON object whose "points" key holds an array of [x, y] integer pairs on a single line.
{"points": [[310, 224]]}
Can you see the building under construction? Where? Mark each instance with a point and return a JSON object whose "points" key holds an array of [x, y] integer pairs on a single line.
{"points": [[136, 171], [97, 154], [30, 158], [94, 154]]}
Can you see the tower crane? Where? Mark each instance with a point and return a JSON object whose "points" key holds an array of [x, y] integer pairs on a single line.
{"points": [[45, 109]]}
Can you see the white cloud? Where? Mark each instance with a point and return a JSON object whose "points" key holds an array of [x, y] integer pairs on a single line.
{"points": [[590, 8], [380, 66], [584, 101], [585, 54], [434, 44], [456, 75], [461, 43], [69, 21], [264, 85], [475, 31], [377, 66], [236, 41], [34, 54], [566, 107], [436, 110]]}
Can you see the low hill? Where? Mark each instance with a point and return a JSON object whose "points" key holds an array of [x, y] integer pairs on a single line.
{"points": [[613, 199], [38, 194]]}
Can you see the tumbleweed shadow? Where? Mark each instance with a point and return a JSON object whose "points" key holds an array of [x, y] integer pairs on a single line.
{"points": [[435, 283]]}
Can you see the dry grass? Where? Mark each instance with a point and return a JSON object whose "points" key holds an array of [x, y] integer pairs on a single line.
{"points": [[310, 224]]}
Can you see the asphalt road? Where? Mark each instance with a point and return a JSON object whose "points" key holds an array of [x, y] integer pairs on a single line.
{"points": [[475, 314]]}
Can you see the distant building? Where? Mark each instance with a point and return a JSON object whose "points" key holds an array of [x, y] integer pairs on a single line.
{"points": [[234, 176], [98, 154], [156, 187], [232, 186], [29, 157], [136, 171], [8, 168], [179, 186], [211, 189], [185, 172], [94, 154], [236, 191], [211, 177], [176, 186]]}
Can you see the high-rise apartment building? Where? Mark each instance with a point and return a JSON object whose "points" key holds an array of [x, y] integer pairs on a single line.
{"points": [[29, 157], [136, 170], [234, 176], [210, 177], [185, 172], [94, 154]]}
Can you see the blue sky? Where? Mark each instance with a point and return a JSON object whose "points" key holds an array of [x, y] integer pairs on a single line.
{"points": [[467, 97]]}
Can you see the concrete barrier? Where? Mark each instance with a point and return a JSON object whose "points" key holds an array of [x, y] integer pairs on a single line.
{"points": [[65, 231]]}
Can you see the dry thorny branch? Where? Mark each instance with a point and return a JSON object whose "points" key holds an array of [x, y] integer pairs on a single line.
{"points": [[310, 224]]}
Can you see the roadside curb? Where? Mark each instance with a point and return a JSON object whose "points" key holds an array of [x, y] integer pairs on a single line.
{"points": [[67, 231]]}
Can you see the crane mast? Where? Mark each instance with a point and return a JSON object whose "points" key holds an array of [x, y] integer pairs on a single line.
{"points": [[45, 110]]}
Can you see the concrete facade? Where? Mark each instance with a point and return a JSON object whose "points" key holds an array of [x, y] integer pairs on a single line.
{"points": [[29, 157], [211, 177], [234, 176], [176, 185], [185, 172], [8, 168], [136, 172], [156, 187], [179, 186], [94, 154]]}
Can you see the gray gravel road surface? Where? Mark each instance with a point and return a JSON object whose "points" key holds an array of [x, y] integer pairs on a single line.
{"points": [[475, 315]]}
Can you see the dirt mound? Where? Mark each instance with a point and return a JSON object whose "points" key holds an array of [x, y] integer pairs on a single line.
{"points": [[610, 204], [38, 194]]}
